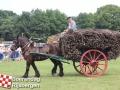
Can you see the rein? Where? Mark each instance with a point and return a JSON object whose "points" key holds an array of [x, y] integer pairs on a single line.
{"points": [[30, 41], [25, 45], [28, 44]]}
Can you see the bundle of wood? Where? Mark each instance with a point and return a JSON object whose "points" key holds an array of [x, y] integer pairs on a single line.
{"points": [[52, 38], [107, 41]]}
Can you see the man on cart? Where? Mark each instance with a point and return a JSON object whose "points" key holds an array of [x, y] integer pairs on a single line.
{"points": [[71, 25]]}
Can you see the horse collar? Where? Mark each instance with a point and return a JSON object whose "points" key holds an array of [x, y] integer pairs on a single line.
{"points": [[28, 44]]}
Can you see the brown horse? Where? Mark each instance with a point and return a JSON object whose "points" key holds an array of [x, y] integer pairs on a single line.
{"points": [[27, 46]]}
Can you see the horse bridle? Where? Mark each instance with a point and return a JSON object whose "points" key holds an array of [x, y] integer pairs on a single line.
{"points": [[16, 45], [26, 45]]}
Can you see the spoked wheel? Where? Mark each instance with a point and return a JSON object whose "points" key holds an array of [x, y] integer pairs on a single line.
{"points": [[93, 63], [77, 67]]}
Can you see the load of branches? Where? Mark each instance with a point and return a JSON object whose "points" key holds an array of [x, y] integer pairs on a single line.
{"points": [[52, 38], [74, 43]]}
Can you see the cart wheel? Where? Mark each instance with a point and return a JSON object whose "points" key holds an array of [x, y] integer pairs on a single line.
{"points": [[77, 67], [93, 63]]}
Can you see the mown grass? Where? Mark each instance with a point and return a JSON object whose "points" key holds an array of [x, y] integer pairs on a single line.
{"points": [[71, 80]]}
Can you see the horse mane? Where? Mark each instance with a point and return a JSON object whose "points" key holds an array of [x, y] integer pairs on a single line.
{"points": [[24, 38]]}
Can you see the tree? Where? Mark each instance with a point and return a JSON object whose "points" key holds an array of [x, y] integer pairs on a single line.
{"points": [[6, 24], [57, 21], [22, 24], [108, 17], [39, 24], [84, 20]]}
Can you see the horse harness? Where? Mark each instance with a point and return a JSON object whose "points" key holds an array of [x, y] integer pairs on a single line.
{"points": [[39, 45], [45, 49], [27, 45]]}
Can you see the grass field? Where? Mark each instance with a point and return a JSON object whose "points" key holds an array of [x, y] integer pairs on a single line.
{"points": [[71, 80]]}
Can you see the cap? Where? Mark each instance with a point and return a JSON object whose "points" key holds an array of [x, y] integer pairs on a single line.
{"points": [[68, 17]]}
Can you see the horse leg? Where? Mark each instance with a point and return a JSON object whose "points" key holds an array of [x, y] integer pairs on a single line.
{"points": [[56, 63], [27, 70], [37, 74], [61, 69], [54, 68]]}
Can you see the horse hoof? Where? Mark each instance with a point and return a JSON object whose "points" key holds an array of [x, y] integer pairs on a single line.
{"points": [[37, 76], [53, 74], [60, 75]]}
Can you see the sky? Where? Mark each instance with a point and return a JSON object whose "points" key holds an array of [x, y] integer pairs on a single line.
{"points": [[69, 7]]}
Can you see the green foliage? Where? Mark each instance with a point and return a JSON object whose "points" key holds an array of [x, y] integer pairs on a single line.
{"points": [[1, 39], [85, 20], [108, 17], [6, 24], [57, 21], [39, 24]]}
